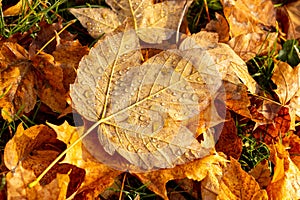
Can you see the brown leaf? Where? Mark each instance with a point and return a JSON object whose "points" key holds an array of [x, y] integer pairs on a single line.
{"points": [[238, 184], [196, 170], [286, 180], [229, 142], [289, 18], [249, 45], [17, 81], [49, 75], [97, 175], [247, 16], [287, 80], [147, 18], [17, 8], [68, 54], [262, 174], [27, 154], [276, 130], [220, 26], [47, 32]]}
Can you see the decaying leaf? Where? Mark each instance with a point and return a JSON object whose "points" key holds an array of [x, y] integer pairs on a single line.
{"points": [[286, 179], [229, 142], [289, 16], [97, 175], [196, 170], [219, 26], [17, 8], [247, 16], [238, 184], [27, 154], [17, 81], [153, 22], [262, 174], [287, 80], [251, 28], [143, 110]]}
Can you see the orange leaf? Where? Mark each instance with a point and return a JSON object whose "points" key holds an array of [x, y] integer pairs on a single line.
{"points": [[286, 180], [27, 154], [238, 184], [97, 175], [196, 170]]}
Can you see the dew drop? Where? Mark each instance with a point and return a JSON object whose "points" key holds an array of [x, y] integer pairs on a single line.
{"points": [[139, 151], [185, 95], [199, 79], [162, 104], [174, 94], [153, 139], [142, 118], [178, 152], [158, 146], [130, 147], [89, 24], [156, 95], [142, 111], [194, 97], [127, 46], [176, 115]]}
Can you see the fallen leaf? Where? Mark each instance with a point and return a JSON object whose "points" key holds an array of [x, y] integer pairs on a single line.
{"points": [[17, 81], [68, 54], [251, 28], [98, 176], [220, 26], [147, 18], [238, 184], [229, 143], [286, 180], [17, 8], [262, 173], [196, 170], [287, 80], [247, 16], [248, 45], [288, 16], [27, 154], [276, 130]]}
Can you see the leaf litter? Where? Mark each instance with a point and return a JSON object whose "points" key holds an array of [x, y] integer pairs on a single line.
{"points": [[158, 117]]}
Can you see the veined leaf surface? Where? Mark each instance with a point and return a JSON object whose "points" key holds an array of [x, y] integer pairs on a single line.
{"points": [[144, 111]]}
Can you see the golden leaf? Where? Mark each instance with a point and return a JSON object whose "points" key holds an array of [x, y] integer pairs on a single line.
{"points": [[26, 155], [238, 184], [97, 175], [153, 22]]}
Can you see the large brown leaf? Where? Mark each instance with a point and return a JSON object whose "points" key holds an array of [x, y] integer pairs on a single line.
{"points": [[144, 110]]}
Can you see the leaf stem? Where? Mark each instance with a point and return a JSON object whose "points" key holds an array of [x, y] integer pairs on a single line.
{"points": [[37, 180], [64, 28]]}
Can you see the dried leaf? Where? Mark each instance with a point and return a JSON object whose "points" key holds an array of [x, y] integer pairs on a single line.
{"points": [[287, 80], [97, 175], [153, 22], [229, 142], [288, 15], [144, 111], [286, 180], [27, 154], [249, 45], [262, 174], [16, 9], [196, 170], [238, 184], [17, 81], [219, 26], [247, 16]]}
